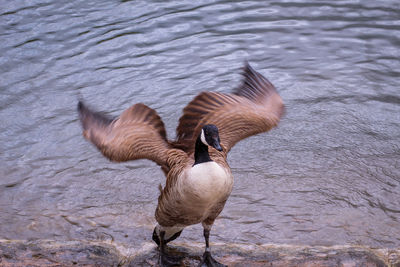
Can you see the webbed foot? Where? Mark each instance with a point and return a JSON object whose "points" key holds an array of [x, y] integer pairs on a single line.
{"points": [[209, 261], [167, 260]]}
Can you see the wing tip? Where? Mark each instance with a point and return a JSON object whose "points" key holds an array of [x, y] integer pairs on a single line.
{"points": [[89, 118], [82, 110], [250, 71], [83, 113], [247, 67], [80, 105], [254, 84]]}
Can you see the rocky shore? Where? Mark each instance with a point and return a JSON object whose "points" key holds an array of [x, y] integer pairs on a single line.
{"points": [[83, 253]]}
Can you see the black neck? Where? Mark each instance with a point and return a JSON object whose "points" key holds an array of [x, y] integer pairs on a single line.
{"points": [[201, 152]]}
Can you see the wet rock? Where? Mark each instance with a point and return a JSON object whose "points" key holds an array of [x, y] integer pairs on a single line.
{"points": [[84, 253], [50, 253], [237, 255]]}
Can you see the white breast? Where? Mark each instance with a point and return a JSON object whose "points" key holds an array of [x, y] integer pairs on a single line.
{"points": [[208, 183]]}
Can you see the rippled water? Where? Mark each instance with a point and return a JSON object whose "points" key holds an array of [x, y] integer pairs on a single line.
{"points": [[329, 174]]}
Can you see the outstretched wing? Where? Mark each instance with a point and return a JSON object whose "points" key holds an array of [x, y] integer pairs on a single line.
{"points": [[138, 133], [253, 108]]}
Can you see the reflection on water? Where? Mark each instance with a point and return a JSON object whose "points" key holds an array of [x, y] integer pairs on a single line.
{"points": [[329, 174]]}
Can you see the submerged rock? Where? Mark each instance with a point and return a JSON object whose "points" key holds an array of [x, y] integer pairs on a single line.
{"points": [[85, 253]]}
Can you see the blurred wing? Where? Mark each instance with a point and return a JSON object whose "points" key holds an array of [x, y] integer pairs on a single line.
{"points": [[138, 133], [253, 108]]}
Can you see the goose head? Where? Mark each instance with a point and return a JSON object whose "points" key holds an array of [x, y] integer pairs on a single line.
{"points": [[209, 136]]}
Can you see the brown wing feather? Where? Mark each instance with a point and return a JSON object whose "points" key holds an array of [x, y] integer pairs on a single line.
{"points": [[200, 107], [137, 134], [254, 86], [255, 107]]}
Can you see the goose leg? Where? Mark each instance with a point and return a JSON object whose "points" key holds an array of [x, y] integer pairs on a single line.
{"points": [[208, 260], [156, 239], [164, 259]]}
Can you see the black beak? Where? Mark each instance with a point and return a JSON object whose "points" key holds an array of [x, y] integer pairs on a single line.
{"points": [[216, 144]]}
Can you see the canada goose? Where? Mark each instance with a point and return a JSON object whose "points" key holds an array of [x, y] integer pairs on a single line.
{"points": [[199, 179]]}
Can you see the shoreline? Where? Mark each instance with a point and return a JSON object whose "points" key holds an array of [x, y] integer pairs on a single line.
{"points": [[93, 253]]}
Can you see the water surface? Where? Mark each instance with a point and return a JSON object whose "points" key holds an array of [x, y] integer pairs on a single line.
{"points": [[329, 174]]}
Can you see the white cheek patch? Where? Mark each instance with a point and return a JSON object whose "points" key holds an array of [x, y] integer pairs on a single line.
{"points": [[203, 138]]}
